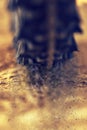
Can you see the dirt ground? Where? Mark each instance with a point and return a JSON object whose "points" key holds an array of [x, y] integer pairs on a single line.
{"points": [[24, 108]]}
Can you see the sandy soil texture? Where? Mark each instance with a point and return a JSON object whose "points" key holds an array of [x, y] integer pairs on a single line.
{"points": [[24, 108]]}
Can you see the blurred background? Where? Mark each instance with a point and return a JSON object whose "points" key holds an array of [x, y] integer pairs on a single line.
{"points": [[6, 37], [20, 109]]}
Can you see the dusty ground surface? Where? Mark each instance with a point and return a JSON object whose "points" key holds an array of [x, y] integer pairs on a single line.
{"points": [[22, 108]]}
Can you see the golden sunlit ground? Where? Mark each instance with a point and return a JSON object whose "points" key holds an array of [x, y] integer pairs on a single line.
{"points": [[23, 108]]}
